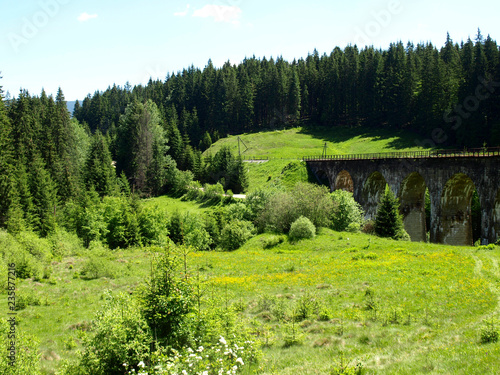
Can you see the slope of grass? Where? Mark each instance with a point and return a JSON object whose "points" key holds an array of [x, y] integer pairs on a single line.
{"points": [[398, 307], [285, 146], [299, 142]]}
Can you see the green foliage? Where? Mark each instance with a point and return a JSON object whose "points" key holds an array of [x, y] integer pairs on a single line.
{"points": [[389, 222], [228, 170], [283, 208], [99, 173], [122, 224], [490, 332], [347, 213], [26, 351], [343, 367], [167, 300], [195, 234], [119, 335], [213, 193], [235, 234], [65, 244], [302, 228], [153, 223], [96, 267], [273, 241]]}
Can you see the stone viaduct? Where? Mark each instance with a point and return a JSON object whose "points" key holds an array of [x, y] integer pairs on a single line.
{"points": [[450, 176]]}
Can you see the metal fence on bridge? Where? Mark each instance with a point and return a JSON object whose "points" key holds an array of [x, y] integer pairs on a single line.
{"points": [[465, 153]]}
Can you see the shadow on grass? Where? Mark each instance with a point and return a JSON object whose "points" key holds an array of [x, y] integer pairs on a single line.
{"points": [[399, 139]]}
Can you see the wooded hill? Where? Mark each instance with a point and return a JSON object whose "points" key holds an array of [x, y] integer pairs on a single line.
{"points": [[420, 88]]}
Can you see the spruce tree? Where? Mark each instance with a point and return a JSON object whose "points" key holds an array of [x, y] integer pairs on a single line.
{"points": [[389, 222], [43, 191], [6, 163], [99, 172]]}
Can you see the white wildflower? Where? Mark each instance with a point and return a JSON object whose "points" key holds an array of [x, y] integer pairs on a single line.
{"points": [[141, 364], [240, 361], [223, 341]]}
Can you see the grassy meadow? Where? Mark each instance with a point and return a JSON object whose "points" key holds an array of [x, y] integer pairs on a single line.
{"points": [[396, 307]]}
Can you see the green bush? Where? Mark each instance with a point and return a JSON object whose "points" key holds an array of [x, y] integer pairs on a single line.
{"points": [[302, 228], [347, 214], [40, 248], [27, 352], [119, 335], [96, 267], [166, 300], [122, 222], [65, 244], [153, 223], [283, 208], [490, 332], [273, 241], [235, 234], [27, 266], [182, 182], [213, 193]]}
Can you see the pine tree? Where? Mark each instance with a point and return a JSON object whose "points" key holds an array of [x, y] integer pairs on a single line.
{"points": [[389, 222]]}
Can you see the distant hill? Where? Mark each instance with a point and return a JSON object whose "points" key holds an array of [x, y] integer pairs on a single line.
{"points": [[71, 106]]}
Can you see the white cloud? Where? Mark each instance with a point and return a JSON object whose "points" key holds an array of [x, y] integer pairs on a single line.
{"points": [[84, 17], [220, 13], [184, 13]]}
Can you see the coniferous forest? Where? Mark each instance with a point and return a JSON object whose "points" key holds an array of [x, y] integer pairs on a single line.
{"points": [[149, 139]]}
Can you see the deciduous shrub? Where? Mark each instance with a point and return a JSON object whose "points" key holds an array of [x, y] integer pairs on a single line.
{"points": [[96, 267], [26, 352], [167, 300], [347, 214], [283, 208], [119, 335], [235, 234], [302, 228], [153, 223]]}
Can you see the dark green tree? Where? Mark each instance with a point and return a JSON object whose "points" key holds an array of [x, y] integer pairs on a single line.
{"points": [[99, 171], [43, 192], [389, 222]]}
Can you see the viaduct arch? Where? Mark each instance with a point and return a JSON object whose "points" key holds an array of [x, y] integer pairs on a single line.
{"points": [[450, 177]]}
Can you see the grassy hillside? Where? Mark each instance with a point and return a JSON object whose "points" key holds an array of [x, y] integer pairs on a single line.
{"points": [[285, 146], [399, 308]]}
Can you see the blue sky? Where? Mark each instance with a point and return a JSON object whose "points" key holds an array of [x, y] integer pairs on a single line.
{"points": [[84, 46]]}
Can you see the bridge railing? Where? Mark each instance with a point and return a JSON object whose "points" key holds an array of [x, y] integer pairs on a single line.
{"points": [[471, 152]]}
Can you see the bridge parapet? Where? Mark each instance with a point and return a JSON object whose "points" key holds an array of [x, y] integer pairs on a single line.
{"points": [[466, 153]]}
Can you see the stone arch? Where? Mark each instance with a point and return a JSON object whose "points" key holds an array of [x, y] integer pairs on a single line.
{"points": [[456, 220], [373, 190], [412, 205], [322, 178], [344, 182]]}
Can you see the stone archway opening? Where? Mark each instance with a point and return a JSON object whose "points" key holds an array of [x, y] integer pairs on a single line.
{"points": [[456, 221], [322, 178], [412, 206], [344, 182], [373, 190]]}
